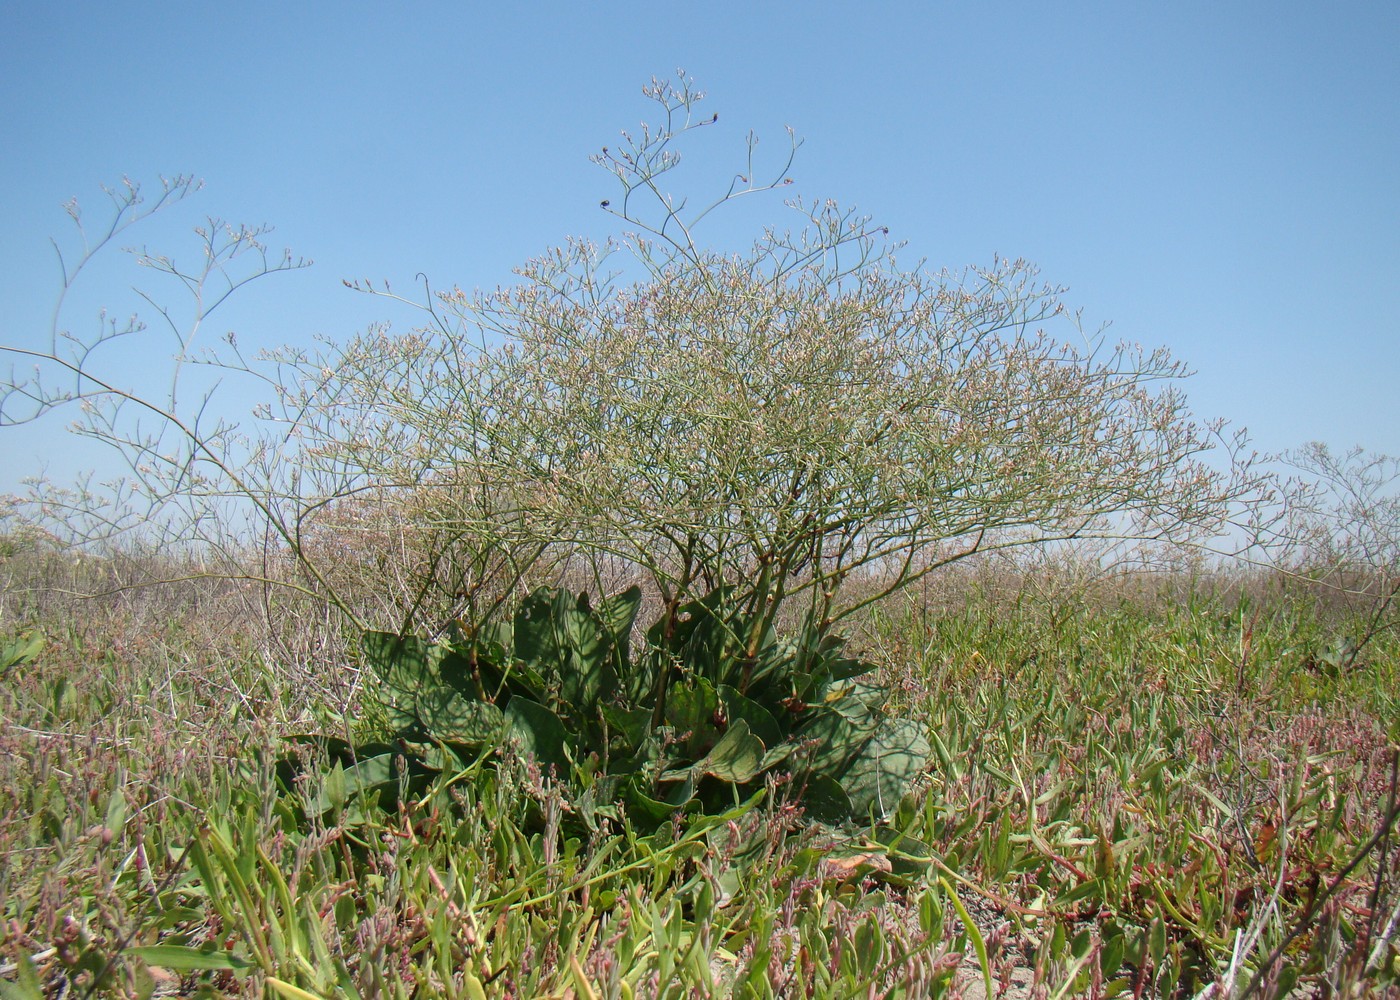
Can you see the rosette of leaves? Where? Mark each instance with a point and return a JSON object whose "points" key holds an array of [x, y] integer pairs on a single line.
{"points": [[689, 723], [818, 712]]}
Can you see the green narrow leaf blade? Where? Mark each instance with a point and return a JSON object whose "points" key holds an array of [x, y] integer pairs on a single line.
{"points": [[183, 958]]}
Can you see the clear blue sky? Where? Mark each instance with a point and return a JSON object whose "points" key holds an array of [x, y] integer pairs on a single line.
{"points": [[1220, 178]]}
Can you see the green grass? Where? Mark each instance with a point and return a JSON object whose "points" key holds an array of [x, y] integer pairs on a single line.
{"points": [[1128, 793]]}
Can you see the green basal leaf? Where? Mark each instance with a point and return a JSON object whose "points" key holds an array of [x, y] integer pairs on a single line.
{"points": [[449, 755], [332, 746], [825, 800], [704, 638], [371, 772], [517, 679], [693, 709], [453, 667], [646, 755], [737, 757], [496, 638], [630, 723], [600, 800], [682, 792], [428, 687], [885, 766], [642, 806], [402, 665], [773, 668], [342, 783], [561, 672], [846, 702], [733, 812], [777, 755], [761, 721], [560, 636], [873, 696], [334, 790], [836, 738], [394, 656], [817, 683], [617, 615], [445, 714], [538, 731]]}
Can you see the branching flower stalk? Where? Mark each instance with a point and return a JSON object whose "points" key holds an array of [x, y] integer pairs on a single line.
{"points": [[775, 423], [188, 467], [781, 421], [1336, 525]]}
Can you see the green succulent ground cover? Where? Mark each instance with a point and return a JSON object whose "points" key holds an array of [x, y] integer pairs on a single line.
{"points": [[1135, 795]]}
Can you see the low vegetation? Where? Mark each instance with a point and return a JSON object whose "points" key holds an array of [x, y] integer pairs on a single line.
{"points": [[1139, 792]]}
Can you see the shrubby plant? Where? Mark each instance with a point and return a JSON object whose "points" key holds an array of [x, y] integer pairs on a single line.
{"points": [[779, 420], [1335, 523], [743, 435]]}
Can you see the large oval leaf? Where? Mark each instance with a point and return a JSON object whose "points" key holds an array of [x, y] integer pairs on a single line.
{"points": [[737, 757], [884, 768], [834, 737], [691, 709], [761, 721], [560, 636], [824, 799], [538, 731], [446, 715]]}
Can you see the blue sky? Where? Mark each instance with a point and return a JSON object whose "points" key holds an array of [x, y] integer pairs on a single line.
{"points": [[1219, 178]]}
